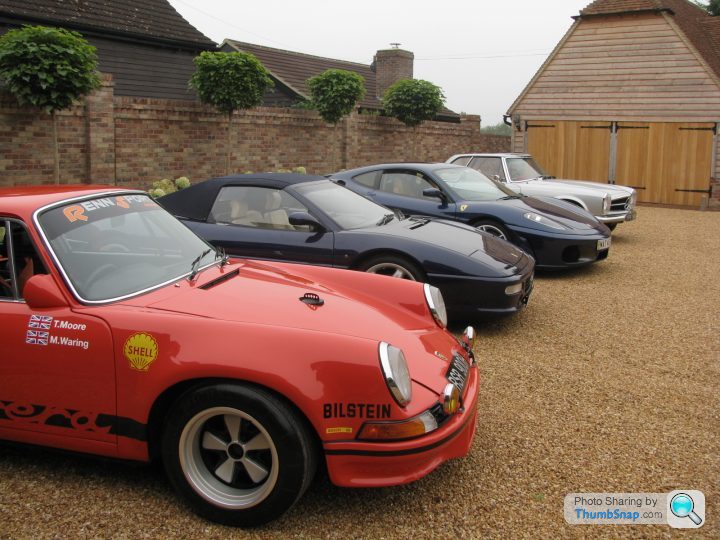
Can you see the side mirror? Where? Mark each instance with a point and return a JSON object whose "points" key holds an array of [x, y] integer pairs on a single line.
{"points": [[497, 178], [434, 192], [41, 291], [303, 218]]}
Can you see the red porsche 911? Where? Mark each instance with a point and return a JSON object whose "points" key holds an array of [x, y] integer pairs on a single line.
{"points": [[125, 335]]}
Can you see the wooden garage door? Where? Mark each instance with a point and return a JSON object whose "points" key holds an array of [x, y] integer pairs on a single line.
{"points": [[578, 150], [668, 163]]}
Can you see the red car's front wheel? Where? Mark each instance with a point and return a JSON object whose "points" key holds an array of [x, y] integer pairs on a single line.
{"points": [[238, 454]]}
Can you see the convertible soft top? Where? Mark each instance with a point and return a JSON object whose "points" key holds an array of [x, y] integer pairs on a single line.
{"points": [[204, 194]]}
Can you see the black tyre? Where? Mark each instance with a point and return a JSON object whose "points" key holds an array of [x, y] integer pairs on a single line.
{"points": [[393, 266], [611, 226], [237, 454], [493, 227]]}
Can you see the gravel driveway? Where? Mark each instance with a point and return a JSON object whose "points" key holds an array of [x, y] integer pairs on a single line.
{"points": [[608, 382]]}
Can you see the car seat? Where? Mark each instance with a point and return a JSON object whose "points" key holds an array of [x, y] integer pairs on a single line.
{"points": [[274, 215], [242, 215]]}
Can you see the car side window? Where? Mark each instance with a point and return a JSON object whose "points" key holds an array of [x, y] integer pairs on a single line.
{"points": [[405, 183], [252, 206], [489, 166], [368, 179], [462, 160], [19, 260]]}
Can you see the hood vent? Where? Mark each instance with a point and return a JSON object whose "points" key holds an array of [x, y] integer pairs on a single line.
{"points": [[222, 279], [312, 300]]}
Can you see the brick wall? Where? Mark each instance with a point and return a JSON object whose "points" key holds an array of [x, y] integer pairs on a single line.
{"points": [[134, 141]]}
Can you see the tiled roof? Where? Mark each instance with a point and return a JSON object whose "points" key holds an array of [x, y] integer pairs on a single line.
{"points": [[700, 28], [605, 7], [294, 68], [155, 19]]}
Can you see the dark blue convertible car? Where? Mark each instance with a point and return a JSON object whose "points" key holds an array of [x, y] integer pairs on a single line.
{"points": [[309, 219], [556, 233]]}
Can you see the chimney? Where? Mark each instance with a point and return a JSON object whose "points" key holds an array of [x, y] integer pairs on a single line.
{"points": [[392, 65]]}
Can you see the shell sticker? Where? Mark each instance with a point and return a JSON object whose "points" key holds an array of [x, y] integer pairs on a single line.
{"points": [[141, 350], [463, 207]]}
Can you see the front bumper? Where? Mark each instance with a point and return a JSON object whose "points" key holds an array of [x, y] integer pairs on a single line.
{"points": [[371, 464], [555, 251], [618, 217]]}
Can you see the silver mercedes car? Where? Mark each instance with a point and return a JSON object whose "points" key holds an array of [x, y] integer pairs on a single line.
{"points": [[609, 203]]}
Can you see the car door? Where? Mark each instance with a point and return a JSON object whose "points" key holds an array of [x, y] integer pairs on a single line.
{"points": [[253, 222], [57, 369], [402, 189]]}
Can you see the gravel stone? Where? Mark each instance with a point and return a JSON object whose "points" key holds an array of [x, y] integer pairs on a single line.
{"points": [[608, 382]]}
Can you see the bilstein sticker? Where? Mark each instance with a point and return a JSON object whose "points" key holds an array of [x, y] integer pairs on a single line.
{"points": [[356, 410], [141, 350]]}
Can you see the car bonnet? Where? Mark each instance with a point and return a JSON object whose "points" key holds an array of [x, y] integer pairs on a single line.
{"points": [[556, 210], [455, 236], [258, 293], [614, 190]]}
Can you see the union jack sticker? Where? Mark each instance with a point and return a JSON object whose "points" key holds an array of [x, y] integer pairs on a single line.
{"points": [[40, 321], [35, 337]]}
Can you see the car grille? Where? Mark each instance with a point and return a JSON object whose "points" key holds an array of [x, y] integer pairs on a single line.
{"points": [[618, 205]]}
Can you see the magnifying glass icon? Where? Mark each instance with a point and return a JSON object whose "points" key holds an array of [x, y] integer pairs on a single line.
{"points": [[682, 506]]}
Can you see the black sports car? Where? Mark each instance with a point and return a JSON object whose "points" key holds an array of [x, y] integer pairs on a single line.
{"points": [[556, 233], [309, 219]]}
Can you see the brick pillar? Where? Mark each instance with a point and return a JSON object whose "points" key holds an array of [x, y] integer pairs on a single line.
{"points": [[392, 65], [100, 121], [350, 139]]}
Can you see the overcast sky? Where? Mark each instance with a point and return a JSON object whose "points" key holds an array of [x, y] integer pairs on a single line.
{"points": [[482, 53]]}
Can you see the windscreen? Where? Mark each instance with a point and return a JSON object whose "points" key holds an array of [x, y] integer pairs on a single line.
{"points": [[524, 169], [471, 185], [346, 208], [116, 246]]}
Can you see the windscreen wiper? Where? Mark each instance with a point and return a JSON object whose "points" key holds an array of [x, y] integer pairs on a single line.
{"points": [[387, 218], [224, 257], [196, 263]]}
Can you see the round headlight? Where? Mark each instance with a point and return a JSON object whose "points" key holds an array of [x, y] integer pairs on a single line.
{"points": [[395, 371], [436, 304]]}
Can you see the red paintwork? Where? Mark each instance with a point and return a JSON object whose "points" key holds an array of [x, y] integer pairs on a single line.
{"points": [[250, 328]]}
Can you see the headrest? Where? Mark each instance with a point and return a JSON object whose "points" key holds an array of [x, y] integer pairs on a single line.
{"points": [[274, 200]]}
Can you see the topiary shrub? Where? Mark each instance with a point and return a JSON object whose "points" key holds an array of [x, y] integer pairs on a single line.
{"points": [[48, 68], [165, 186], [412, 101]]}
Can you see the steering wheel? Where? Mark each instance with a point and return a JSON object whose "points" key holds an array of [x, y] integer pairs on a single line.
{"points": [[98, 272]]}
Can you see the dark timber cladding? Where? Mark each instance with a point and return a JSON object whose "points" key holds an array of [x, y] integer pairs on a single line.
{"points": [[146, 45], [631, 95]]}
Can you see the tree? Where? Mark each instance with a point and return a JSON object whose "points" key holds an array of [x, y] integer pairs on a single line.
{"points": [[412, 101], [501, 128], [229, 82], [711, 6], [48, 68], [335, 93]]}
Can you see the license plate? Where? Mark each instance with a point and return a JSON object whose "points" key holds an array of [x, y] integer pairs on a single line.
{"points": [[603, 244], [458, 372]]}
